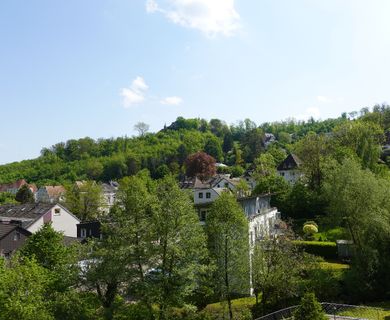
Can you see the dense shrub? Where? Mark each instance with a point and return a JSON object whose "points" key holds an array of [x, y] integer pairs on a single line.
{"points": [[327, 250]]}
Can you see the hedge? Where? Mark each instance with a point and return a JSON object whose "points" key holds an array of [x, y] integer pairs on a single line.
{"points": [[327, 250]]}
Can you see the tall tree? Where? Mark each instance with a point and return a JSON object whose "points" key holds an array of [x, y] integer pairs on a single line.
{"points": [[360, 201], [227, 231], [85, 199], [201, 165], [181, 246], [213, 148], [142, 128], [24, 195]]}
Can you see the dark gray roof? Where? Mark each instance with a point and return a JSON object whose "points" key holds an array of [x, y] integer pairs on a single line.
{"points": [[291, 162], [28, 213], [6, 228]]}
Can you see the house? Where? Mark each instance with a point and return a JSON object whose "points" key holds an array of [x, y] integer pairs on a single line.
{"points": [[263, 220], [32, 216], [207, 191], [269, 138], [89, 229], [289, 169], [12, 237], [15, 186], [109, 194], [50, 194]]}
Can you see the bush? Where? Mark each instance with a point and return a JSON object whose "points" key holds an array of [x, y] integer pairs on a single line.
{"points": [[241, 309], [327, 250], [309, 309]]}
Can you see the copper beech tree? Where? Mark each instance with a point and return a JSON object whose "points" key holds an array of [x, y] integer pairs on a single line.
{"points": [[200, 165]]}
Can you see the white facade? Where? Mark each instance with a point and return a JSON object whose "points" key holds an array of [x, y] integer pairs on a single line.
{"points": [[62, 220], [291, 176]]}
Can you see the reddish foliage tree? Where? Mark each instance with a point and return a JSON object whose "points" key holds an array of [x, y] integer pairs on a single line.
{"points": [[200, 165]]}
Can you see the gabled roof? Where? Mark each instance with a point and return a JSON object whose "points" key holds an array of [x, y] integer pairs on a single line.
{"points": [[7, 228], [16, 185], [27, 213], [291, 162], [55, 191]]}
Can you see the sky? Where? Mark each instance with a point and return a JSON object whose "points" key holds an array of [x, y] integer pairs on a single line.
{"points": [[71, 69]]}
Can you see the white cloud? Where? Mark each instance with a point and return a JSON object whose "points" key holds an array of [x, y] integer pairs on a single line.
{"points": [[212, 17], [135, 94], [173, 101]]}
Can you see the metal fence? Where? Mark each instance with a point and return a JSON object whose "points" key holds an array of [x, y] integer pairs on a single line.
{"points": [[335, 312]]}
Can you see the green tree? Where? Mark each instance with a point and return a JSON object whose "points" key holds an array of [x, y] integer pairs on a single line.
{"points": [[360, 201], [213, 148], [22, 291], [362, 137], [7, 198], [85, 199], [24, 195], [181, 247], [309, 309], [312, 150], [227, 231], [276, 273]]}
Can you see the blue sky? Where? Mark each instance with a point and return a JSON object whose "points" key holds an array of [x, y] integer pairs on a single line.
{"points": [[71, 69]]}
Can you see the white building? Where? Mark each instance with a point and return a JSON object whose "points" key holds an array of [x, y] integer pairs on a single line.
{"points": [[289, 169], [32, 216]]}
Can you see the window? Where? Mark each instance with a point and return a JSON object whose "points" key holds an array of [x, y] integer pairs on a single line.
{"points": [[83, 233], [16, 236], [200, 195], [57, 211], [202, 215], [251, 238], [226, 184], [208, 195]]}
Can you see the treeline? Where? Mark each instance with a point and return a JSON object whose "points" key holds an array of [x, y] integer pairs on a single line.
{"points": [[165, 151], [161, 153]]}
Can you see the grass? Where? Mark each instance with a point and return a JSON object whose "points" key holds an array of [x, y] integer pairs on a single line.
{"points": [[216, 310], [367, 313]]}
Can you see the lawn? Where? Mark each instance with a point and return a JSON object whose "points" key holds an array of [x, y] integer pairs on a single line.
{"points": [[367, 313]]}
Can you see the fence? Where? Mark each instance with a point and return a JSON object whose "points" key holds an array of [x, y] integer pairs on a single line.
{"points": [[335, 312]]}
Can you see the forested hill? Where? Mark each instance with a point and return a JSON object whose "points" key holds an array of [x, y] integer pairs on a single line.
{"points": [[164, 152]]}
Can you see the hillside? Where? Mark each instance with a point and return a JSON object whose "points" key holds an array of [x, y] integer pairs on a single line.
{"points": [[165, 151]]}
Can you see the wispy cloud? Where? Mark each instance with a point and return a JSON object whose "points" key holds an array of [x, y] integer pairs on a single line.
{"points": [[211, 17], [135, 94], [172, 101]]}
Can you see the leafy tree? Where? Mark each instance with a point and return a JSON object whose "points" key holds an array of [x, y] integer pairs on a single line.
{"points": [[181, 247], [228, 142], [85, 199], [126, 251], [276, 272], [22, 291], [213, 148], [200, 165], [364, 138], [7, 198], [360, 201], [253, 144], [24, 195], [227, 231], [309, 309], [312, 150]]}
